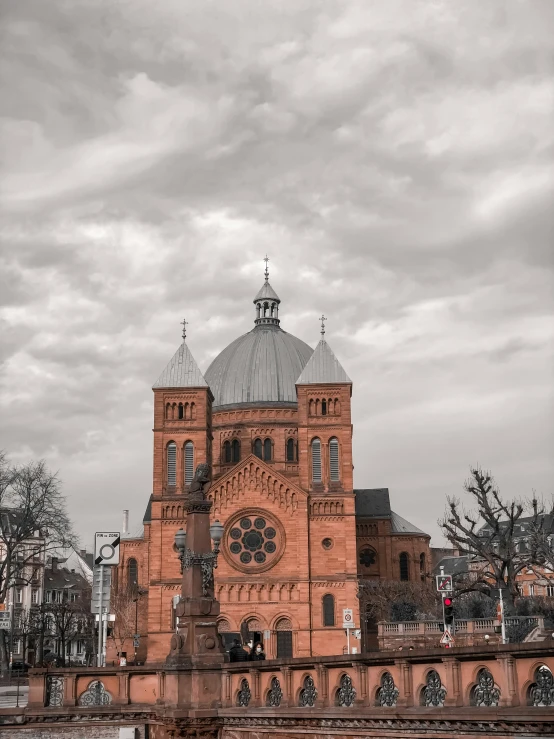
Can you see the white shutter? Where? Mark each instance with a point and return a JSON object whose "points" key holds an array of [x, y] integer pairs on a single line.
{"points": [[316, 460], [334, 459], [172, 464], [189, 462]]}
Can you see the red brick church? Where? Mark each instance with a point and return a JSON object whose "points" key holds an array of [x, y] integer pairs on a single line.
{"points": [[272, 418]]}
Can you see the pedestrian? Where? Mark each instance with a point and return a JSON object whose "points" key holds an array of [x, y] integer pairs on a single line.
{"points": [[237, 653], [257, 654]]}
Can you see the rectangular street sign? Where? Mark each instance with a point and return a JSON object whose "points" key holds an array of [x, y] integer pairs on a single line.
{"points": [[106, 589], [136, 642], [106, 548], [444, 583], [5, 620], [347, 618]]}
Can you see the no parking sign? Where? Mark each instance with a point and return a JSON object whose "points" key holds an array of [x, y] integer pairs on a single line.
{"points": [[106, 548]]}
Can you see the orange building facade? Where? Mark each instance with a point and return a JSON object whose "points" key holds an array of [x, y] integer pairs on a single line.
{"points": [[272, 419]]}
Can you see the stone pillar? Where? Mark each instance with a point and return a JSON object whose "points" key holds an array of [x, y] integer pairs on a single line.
{"points": [[511, 697], [286, 686], [362, 698], [322, 687], [405, 686], [70, 689], [453, 685], [254, 681]]}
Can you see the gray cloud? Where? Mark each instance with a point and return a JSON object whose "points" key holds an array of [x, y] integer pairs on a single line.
{"points": [[394, 160]]}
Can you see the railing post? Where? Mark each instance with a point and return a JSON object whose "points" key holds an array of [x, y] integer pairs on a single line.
{"points": [[255, 682], [453, 686], [323, 687], [70, 690], [286, 686], [405, 687], [510, 679], [362, 697]]}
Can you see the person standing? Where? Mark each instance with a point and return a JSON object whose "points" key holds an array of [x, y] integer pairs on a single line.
{"points": [[237, 653], [257, 653]]}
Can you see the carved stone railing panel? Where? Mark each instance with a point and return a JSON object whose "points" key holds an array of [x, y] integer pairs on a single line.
{"points": [[95, 695], [388, 692], [308, 694], [244, 695], [54, 690], [346, 694], [433, 693], [541, 692], [275, 694], [485, 693]]}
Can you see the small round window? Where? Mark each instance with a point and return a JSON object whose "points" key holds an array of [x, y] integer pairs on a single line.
{"points": [[327, 543], [253, 542]]}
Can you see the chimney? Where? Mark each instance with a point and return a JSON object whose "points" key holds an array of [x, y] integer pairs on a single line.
{"points": [[83, 553], [54, 564], [125, 522]]}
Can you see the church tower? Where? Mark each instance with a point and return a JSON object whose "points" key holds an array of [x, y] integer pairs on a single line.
{"points": [[325, 464], [182, 441]]}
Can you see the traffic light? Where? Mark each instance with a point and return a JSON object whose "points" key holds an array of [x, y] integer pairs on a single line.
{"points": [[448, 604]]}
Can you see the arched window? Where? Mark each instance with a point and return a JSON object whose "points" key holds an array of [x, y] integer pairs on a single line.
{"points": [[267, 450], [172, 464], [189, 462], [323, 407], [422, 567], [258, 448], [236, 451], [328, 603], [291, 456], [132, 573], [316, 460], [168, 410], [181, 412], [334, 460], [227, 452], [404, 567]]}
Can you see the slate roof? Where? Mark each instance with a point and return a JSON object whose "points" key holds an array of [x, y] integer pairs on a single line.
{"points": [[452, 565], [147, 518], [323, 367], [182, 371], [266, 292], [399, 525], [258, 367], [372, 503]]}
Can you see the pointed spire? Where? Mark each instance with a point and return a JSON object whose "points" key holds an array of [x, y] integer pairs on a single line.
{"points": [[182, 370], [266, 273], [323, 367]]}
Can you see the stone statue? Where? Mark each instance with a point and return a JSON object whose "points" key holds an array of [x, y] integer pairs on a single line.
{"points": [[201, 482]]}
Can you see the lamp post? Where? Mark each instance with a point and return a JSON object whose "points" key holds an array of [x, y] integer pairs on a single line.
{"points": [[206, 560], [138, 595]]}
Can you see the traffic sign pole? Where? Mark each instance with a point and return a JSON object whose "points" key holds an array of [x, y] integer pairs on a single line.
{"points": [[99, 655]]}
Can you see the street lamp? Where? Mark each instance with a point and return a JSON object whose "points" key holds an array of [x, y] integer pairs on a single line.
{"points": [[206, 560]]}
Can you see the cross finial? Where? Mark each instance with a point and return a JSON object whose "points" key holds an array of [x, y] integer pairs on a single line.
{"points": [[322, 319], [184, 324], [266, 273]]}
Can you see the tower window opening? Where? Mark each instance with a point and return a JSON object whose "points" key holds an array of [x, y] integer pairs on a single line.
{"points": [[181, 412], [316, 460], [422, 567], [227, 452], [172, 464], [291, 451], [267, 450], [328, 603], [404, 567], [132, 574], [334, 460], [323, 407], [258, 448], [236, 450], [189, 462]]}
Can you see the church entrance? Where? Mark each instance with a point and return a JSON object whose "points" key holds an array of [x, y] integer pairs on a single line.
{"points": [[283, 627]]}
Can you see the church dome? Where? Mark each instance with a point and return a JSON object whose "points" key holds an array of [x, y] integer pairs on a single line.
{"points": [[262, 366]]}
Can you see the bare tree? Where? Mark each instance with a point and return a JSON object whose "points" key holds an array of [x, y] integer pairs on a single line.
{"points": [[490, 536], [124, 608], [33, 520], [385, 600]]}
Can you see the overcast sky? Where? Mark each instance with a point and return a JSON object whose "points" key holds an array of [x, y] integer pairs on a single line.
{"points": [[394, 160]]}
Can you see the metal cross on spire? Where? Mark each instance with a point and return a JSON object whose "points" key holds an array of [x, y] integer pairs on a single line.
{"points": [[184, 324], [322, 319], [266, 273]]}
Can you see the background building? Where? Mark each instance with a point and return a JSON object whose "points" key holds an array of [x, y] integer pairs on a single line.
{"points": [[272, 419]]}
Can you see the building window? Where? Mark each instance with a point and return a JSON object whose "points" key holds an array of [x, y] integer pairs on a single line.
{"points": [[189, 462], [236, 451], [258, 448], [323, 407], [316, 460], [334, 460], [422, 567], [227, 452], [181, 412], [172, 464], [132, 573], [73, 597], [18, 595], [404, 567], [550, 591], [531, 589], [328, 610], [34, 596], [291, 456], [17, 646], [267, 450]]}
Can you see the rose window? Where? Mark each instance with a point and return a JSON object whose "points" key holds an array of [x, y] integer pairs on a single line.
{"points": [[253, 541]]}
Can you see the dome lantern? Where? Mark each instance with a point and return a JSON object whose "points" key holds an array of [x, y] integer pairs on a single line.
{"points": [[267, 302]]}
